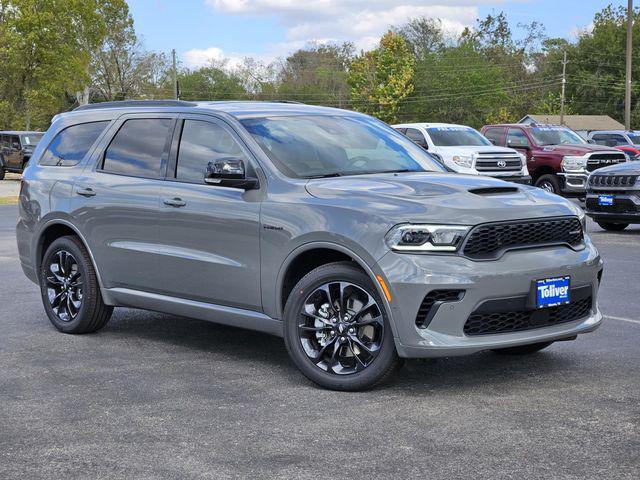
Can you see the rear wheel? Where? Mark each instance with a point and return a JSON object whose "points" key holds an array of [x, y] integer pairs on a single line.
{"points": [[1, 168], [549, 183], [523, 349], [613, 227], [337, 331], [69, 288]]}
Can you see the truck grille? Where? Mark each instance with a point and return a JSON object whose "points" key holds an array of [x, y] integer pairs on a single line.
{"points": [[514, 314], [498, 162], [490, 240], [599, 160], [612, 180]]}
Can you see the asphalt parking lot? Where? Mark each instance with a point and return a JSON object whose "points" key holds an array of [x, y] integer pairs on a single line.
{"points": [[159, 396]]}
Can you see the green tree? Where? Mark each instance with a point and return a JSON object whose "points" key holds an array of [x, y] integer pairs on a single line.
{"points": [[382, 78], [214, 82]]}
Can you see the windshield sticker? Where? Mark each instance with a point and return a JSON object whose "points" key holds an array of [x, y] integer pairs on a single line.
{"points": [[549, 129], [451, 129]]}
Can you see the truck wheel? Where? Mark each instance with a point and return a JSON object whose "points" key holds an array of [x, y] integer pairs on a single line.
{"points": [[1, 167], [549, 183], [337, 331], [69, 288], [522, 349], [613, 227]]}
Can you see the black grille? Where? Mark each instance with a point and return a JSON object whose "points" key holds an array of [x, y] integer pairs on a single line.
{"points": [[599, 160], [432, 301], [518, 320], [612, 180], [490, 240]]}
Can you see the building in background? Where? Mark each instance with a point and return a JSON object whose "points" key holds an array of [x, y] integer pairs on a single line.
{"points": [[581, 124]]}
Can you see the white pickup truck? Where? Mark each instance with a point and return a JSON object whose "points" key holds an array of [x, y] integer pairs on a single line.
{"points": [[464, 150]]}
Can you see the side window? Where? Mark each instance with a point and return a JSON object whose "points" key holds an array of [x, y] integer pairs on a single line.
{"points": [[203, 142], [4, 141], [14, 142], [494, 135], [138, 148], [600, 139], [401, 130], [516, 138], [69, 147], [417, 137], [618, 140]]}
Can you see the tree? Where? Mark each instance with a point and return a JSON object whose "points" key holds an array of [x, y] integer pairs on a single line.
{"points": [[214, 82], [43, 55], [382, 78], [424, 36]]}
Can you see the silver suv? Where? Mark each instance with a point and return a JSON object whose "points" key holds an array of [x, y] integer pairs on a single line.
{"points": [[320, 225]]}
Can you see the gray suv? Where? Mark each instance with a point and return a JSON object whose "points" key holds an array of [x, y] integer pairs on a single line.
{"points": [[320, 225]]}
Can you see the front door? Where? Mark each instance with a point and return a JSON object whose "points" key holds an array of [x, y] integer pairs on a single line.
{"points": [[210, 235], [14, 154]]}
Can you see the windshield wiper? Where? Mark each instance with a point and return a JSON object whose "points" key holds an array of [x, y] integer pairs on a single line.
{"points": [[326, 175]]}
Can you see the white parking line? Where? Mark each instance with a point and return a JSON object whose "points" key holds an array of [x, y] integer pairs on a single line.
{"points": [[622, 319]]}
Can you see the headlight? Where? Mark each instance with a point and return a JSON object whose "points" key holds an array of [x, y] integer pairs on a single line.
{"points": [[426, 238], [573, 164], [465, 161]]}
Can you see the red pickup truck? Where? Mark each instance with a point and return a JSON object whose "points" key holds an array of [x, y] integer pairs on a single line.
{"points": [[559, 160]]}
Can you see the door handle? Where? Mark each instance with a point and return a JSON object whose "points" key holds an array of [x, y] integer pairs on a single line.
{"points": [[86, 192], [174, 202]]}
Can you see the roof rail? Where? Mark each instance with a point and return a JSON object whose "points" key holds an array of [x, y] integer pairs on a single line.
{"points": [[135, 103], [288, 101]]}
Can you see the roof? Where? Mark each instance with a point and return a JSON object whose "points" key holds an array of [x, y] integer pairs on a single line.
{"points": [[238, 109], [618, 132], [19, 132], [577, 122]]}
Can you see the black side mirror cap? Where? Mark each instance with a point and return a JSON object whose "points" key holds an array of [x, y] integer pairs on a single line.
{"points": [[229, 172]]}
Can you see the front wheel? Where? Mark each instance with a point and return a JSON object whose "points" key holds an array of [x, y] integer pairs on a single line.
{"points": [[337, 331], [613, 227], [549, 183], [1, 168], [523, 349]]}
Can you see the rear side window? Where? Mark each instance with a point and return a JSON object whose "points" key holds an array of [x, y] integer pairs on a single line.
{"points": [[416, 136], [69, 147], [138, 148], [201, 143], [494, 135]]}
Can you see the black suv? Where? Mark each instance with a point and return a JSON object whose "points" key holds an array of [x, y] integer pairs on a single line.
{"points": [[16, 149], [613, 196]]}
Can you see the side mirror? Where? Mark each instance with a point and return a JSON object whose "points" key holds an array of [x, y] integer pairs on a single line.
{"points": [[493, 141], [229, 172], [592, 141], [16, 146]]}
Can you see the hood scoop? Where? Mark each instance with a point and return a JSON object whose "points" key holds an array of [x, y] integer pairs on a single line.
{"points": [[494, 190]]}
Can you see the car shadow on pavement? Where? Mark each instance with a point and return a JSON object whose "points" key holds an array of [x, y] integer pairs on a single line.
{"points": [[419, 377]]}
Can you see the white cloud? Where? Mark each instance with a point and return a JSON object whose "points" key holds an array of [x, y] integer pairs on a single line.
{"points": [[359, 21], [577, 31]]}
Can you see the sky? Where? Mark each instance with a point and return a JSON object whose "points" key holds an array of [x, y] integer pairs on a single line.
{"points": [[201, 30]]}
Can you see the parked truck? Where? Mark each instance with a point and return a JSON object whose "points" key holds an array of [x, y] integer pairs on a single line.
{"points": [[559, 160]]}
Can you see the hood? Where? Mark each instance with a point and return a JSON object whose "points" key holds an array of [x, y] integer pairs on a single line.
{"points": [[439, 197], [577, 149], [469, 149], [627, 168]]}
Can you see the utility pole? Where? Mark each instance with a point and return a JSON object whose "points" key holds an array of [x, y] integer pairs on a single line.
{"points": [[564, 82], [627, 90], [174, 72]]}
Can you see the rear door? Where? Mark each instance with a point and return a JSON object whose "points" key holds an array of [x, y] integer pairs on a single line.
{"points": [[495, 135], [14, 155], [517, 139], [116, 201], [210, 234]]}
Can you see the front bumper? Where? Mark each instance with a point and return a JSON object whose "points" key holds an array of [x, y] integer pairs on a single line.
{"points": [[574, 182], [411, 277], [625, 208]]}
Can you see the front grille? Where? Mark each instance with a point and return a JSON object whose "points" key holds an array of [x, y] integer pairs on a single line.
{"points": [[620, 205], [432, 301], [490, 240], [492, 162], [512, 315], [612, 180], [599, 160]]}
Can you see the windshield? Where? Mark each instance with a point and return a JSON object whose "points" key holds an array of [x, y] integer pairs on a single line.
{"points": [[456, 137], [634, 138], [31, 139], [310, 146], [555, 136]]}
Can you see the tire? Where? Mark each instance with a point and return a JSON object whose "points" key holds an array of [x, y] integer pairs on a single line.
{"points": [[549, 183], [350, 368], [70, 291], [522, 349], [2, 172], [613, 227]]}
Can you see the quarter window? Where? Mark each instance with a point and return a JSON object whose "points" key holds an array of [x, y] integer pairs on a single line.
{"points": [[69, 147], [138, 148], [201, 143]]}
